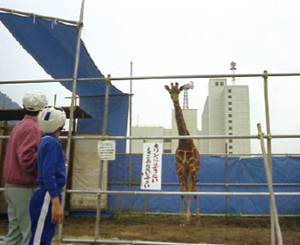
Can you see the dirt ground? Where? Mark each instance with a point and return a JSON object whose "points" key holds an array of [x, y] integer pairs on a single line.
{"points": [[163, 228]]}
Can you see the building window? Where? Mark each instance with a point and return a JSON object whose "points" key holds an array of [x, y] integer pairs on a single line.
{"points": [[230, 134], [167, 140], [229, 102], [221, 83], [231, 152], [229, 115], [229, 121], [217, 83], [230, 127], [229, 90], [229, 109], [167, 151], [230, 147], [230, 140], [229, 96]]}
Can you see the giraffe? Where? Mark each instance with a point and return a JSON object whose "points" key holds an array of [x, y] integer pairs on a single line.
{"points": [[186, 157]]}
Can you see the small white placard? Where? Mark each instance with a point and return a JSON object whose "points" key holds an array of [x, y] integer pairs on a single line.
{"points": [[107, 149], [151, 169]]}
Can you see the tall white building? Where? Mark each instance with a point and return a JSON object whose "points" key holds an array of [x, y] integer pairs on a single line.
{"points": [[226, 112]]}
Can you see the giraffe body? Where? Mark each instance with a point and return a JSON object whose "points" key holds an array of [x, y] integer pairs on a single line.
{"points": [[186, 157]]}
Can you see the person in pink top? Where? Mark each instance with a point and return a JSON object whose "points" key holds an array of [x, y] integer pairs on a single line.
{"points": [[20, 169]]}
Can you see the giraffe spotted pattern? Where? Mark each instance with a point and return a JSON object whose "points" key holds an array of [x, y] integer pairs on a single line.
{"points": [[186, 157]]}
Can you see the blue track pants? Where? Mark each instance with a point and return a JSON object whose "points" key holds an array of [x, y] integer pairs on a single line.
{"points": [[42, 229]]}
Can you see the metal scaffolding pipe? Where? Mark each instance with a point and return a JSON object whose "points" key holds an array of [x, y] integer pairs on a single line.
{"points": [[269, 151], [179, 193], [202, 76], [101, 163], [148, 78], [212, 184], [68, 150], [108, 241], [130, 134], [101, 137], [273, 212], [199, 184], [39, 16], [106, 137]]}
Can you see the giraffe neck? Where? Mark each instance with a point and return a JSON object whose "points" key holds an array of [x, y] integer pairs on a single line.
{"points": [[181, 126]]}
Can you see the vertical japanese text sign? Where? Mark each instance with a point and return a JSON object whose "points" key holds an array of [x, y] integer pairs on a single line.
{"points": [[107, 150], [151, 169]]}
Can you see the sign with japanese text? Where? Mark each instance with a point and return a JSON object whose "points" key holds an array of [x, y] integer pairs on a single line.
{"points": [[107, 149], [151, 169]]}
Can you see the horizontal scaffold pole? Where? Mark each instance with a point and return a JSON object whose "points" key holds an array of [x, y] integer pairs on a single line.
{"points": [[100, 137], [94, 79], [39, 16], [171, 193]]}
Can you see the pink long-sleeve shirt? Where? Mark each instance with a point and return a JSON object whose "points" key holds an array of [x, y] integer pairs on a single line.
{"points": [[20, 169]]}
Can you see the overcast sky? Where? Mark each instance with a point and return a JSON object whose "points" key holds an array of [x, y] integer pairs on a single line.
{"points": [[171, 37]]}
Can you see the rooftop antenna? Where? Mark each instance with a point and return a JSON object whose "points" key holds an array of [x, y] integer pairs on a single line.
{"points": [[233, 68], [186, 87]]}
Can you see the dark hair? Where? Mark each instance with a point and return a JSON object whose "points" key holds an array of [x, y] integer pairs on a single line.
{"points": [[31, 113], [61, 128]]}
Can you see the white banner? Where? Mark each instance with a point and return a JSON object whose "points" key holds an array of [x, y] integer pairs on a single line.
{"points": [[107, 149], [151, 169]]}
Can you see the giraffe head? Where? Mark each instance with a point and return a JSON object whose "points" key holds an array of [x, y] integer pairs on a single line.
{"points": [[174, 91]]}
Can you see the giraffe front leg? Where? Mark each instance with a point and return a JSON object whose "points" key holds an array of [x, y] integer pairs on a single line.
{"points": [[188, 212], [197, 207], [197, 211], [193, 188], [182, 216]]}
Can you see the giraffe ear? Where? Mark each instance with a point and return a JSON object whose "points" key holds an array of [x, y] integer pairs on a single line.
{"points": [[181, 88], [167, 87]]}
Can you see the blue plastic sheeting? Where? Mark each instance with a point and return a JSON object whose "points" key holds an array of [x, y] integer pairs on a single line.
{"points": [[212, 178], [103, 214], [53, 46]]}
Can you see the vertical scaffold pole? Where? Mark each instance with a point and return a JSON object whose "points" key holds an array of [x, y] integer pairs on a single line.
{"points": [[130, 134], [104, 129], [269, 148], [227, 178], [268, 171], [71, 119]]}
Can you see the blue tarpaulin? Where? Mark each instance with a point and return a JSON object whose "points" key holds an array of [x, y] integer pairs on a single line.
{"points": [[242, 175], [53, 45]]}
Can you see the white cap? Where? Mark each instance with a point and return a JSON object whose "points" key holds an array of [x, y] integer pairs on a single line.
{"points": [[34, 101], [50, 119]]}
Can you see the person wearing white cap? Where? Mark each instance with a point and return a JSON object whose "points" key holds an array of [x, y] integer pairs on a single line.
{"points": [[45, 208], [20, 169]]}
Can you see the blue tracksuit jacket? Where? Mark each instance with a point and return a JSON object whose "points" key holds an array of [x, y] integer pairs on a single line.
{"points": [[51, 165]]}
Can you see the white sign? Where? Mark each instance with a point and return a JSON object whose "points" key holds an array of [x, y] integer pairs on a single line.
{"points": [[107, 149], [151, 169]]}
